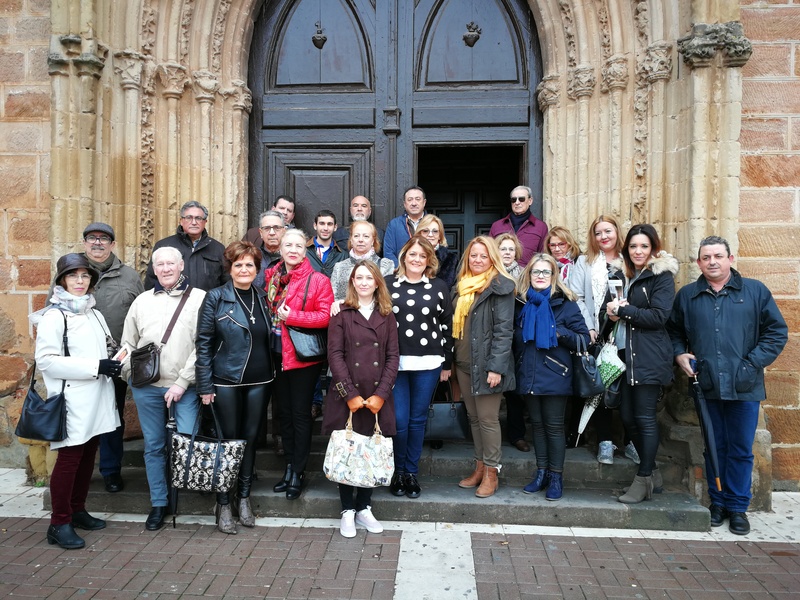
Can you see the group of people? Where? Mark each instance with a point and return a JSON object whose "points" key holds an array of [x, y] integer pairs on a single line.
{"points": [[501, 320]]}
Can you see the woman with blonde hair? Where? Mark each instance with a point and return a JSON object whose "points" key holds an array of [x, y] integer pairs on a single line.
{"points": [[432, 229], [561, 245], [548, 326], [510, 253], [483, 325]]}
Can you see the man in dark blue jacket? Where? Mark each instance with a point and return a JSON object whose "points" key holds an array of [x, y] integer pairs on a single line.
{"points": [[732, 327]]}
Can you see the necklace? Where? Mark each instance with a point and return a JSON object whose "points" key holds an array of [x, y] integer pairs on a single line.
{"points": [[252, 303]]}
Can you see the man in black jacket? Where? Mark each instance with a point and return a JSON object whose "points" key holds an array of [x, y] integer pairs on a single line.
{"points": [[202, 254], [323, 252]]}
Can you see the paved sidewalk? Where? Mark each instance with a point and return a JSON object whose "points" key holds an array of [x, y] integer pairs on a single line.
{"points": [[286, 558]]}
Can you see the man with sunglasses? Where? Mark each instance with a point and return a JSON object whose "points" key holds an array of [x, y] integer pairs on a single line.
{"points": [[520, 221], [202, 254]]}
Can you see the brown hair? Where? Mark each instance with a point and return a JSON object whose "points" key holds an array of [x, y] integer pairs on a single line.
{"points": [[644, 229], [236, 250], [376, 243], [383, 300], [594, 248], [433, 262], [556, 284], [565, 235]]}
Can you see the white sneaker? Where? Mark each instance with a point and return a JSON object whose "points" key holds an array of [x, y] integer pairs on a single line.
{"points": [[365, 519], [605, 454], [347, 527], [630, 452]]}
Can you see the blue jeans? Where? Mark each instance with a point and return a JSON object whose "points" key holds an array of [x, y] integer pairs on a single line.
{"points": [[152, 411], [734, 424], [413, 391]]}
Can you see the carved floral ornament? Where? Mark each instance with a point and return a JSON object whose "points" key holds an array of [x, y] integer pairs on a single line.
{"points": [[657, 63], [547, 92], [581, 81], [128, 65], [700, 46], [615, 74], [205, 85]]}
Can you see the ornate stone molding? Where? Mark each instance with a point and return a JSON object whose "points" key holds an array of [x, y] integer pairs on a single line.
{"points": [[581, 82], [219, 34], [205, 86], [242, 97], [547, 92], [701, 45], [57, 64], [605, 29], [568, 23], [129, 68], [657, 63], [187, 14], [173, 79], [614, 74], [89, 64]]}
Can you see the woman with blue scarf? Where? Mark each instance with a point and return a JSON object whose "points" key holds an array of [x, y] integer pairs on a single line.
{"points": [[548, 324]]}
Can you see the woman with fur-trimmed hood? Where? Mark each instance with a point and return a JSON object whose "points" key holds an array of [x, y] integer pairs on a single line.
{"points": [[647, 273]]}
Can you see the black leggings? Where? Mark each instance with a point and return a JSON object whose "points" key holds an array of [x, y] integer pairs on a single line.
{"points": [[240, 411], [547, 416], [294, 391], [638, 410], [363, 497]]}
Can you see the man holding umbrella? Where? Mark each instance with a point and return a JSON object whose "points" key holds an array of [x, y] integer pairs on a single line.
{"points": [[732, 328]]}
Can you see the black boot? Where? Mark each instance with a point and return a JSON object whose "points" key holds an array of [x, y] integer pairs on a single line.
{"points": [[295, 486], [64, 536], [281, 486], [245, 483], [83, 520]]}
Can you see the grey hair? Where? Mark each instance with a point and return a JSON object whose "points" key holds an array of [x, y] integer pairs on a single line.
{"points": [[528, 191], [713, 240], [296, 231], [176, 254], [271, 213], [194, 204]]}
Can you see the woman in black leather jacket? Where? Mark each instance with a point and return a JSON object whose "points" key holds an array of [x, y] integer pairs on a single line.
{"points": [[234, 368]]}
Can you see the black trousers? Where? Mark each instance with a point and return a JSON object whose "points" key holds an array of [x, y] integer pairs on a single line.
{"points": [[547, 415], [638, 410], [240, 411], [294, 391], [363, 497]]}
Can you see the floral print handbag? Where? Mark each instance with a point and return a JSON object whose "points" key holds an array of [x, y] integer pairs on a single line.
{"points": [[359, 460]]}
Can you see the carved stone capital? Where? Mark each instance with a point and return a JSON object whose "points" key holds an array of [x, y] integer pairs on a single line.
{"points": [[57, 64], [657, 63], [547, 92], [615, 73], [89, 65], [701, 45], [242, 97], [71, 43], [173, 79], [129, 68], [581, 82], [205, 86]]}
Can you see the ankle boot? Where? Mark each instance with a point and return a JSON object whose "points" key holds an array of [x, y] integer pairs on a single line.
{"points": [[489, 484], [246, 516], [540, 480], [225, 522], [476, 477], [641, 489], [295, 486], [281, 486], [554, 487], [658, 482], [64, 536]]}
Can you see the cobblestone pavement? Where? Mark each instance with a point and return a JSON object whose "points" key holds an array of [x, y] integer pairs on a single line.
{"points": [[285, 558]]}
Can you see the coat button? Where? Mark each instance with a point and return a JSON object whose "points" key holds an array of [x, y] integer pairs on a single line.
{"points": [[375, 344], [375, 383], [358, 344], [356, 365], [375, 364]]}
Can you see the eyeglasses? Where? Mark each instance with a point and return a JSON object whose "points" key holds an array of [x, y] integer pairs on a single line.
{"points": [[518, 199], [541, 272], [193, 219], [558, 245], [77, 276], [271, 228], [429, 231], [93, 239]]}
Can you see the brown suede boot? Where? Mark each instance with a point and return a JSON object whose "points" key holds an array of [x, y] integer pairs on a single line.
{"points": [[489, 484], [476, 477]]}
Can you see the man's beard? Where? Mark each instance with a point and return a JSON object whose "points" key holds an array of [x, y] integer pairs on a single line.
{"points": [[360, 218]]}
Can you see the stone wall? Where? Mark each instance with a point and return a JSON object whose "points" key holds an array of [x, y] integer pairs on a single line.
{"points": [[24, 199], [769, 238]]}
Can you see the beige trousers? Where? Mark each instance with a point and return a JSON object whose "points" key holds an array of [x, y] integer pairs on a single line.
{"points": [[484, 420]]}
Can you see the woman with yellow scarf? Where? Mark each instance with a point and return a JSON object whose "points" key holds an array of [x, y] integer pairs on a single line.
{"points": [[483, 327]]}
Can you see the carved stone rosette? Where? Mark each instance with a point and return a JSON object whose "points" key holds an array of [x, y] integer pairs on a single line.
{"points": [[701, 45], [581, 82], [547, 92], [614, 74]]}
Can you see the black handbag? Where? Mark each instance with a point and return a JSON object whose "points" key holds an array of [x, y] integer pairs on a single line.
{"points": [[447, 418], [310, 344], [586, 380], [205, 464], [146, 361], [44, 420]]}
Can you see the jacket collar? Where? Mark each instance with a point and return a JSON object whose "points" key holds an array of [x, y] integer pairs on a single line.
{"points": [[702, 285], [228, 294], [187, 240], [531, 219], [663, 262]]}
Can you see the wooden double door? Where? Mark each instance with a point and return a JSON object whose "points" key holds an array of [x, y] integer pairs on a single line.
{"points": [[372, 96]]}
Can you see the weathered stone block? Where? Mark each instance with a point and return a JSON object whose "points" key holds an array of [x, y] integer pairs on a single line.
{"points": [[764, 134], [769, 241], [786, 466], [774, 24], [12, 66], [783, 388], [33, 274], [39, 6], [12, 370], [17, 337], [28, 233], [766, 206], [5, 31], [790, 309], [790, 357], [18, 174], [10, 6], [20, 137], [773, 97], [33, 29], [769, 61], [37, 64], [34, 103], [780, 276], [772, 170], [784, 424]]}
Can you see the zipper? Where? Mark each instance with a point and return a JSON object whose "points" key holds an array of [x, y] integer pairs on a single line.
{"points": [[564, 368]]}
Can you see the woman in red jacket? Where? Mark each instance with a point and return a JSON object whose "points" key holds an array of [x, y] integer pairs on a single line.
{"points": [[297, 296]]}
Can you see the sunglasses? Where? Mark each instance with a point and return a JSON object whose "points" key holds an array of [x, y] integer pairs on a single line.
{"points": [[519, 199]]}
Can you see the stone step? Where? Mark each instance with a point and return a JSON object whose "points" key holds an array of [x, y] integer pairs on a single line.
{"points": [[441, 501]]}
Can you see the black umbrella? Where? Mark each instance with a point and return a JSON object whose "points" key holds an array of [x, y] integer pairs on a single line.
{"points": [[172, 497], [707, 429]]}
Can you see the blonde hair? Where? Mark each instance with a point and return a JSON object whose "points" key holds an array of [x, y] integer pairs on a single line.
{"points": [[383, 301], [429, 219], [514, 239], [593, 250], [565, 235], [433, 262], [494, 255], [556, 285], [376, 243]]}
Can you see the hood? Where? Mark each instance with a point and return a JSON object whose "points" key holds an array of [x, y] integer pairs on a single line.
{"points": [[663, 262]]}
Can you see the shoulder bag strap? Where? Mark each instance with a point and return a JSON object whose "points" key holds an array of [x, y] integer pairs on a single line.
{"points": [[175, 315], [305, 294]]}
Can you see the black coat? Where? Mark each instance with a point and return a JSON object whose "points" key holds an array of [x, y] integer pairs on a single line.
{"points": [[448, 265], [223, 341], [202, 264]]}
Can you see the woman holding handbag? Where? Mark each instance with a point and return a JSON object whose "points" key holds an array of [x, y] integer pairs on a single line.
{"points": [[548, 326], [72, 355], [167, 317], [483, 326], [234, 367], [424, 318], [363, 357], [648, 274], [298, 298]]}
